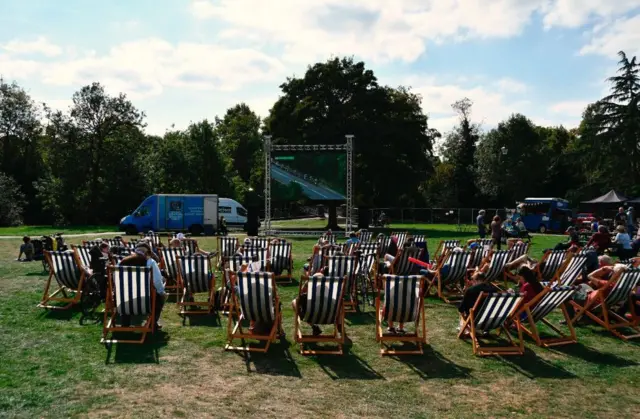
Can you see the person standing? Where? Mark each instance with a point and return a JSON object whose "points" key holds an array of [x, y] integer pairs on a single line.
{"points": [[496, 231], [482, 228], [631, 221], [621, 218]]}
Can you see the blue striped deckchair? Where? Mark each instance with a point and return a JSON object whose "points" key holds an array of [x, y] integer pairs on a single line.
{"points": [[130, 292], [324, 306], [493, 311], [254, 298], [168, 263], [257, 253], [67, 270], [365, 236], [443, 246], [156, 241], [345, 267], [401, 264], [369, 247], [550, 264], [83, 255], [195, 276], [572, 270], [236, 262], [116, 242], [619, 288], [451, 284], [383, 242], [480, 255], [548, 300], [497, 264], [419, 239], [227, 247], [330, 238], [402, 237], [262, 242], [280, 259], [403, 303]]}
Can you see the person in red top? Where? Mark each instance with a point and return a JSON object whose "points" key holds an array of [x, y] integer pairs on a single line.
{"points": [[529, 286], [600, 240]]}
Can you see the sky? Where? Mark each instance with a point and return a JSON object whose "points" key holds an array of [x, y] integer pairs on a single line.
{"points": [[186, 60]]}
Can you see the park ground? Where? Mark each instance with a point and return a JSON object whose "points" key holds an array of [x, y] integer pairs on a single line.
{"points": [[54, 366]]}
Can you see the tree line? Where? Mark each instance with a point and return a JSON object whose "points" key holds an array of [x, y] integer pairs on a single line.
{"points": [[93, 163]]}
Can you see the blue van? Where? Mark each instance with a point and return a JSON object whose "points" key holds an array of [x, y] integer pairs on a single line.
{"points": [[196, 214], [545, 214]]}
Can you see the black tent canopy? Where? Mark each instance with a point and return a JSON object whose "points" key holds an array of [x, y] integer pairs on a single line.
{"points": [[611, 197]]}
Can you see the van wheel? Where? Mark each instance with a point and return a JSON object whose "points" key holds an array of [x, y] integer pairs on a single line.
{"points": [[196, 230], [542, 229], [131, 231]]}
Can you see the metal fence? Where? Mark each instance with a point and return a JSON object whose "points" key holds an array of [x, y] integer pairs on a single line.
{"points": [[438, 215]]}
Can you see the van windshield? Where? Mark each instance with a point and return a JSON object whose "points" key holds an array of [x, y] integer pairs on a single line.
{"points": [[241, 211]]}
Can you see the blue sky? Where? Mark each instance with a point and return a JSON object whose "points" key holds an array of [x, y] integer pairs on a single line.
{"points": [[182, 61]]}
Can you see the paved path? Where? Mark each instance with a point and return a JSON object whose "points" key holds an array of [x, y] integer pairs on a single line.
{"points": [[68, 235], [309, 189]]}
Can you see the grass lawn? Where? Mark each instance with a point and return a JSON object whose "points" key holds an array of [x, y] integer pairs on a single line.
{"points": [[54, 366], [36, 231]]}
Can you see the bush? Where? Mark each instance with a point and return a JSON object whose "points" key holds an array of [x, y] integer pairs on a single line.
{"points": [[11, 202]]}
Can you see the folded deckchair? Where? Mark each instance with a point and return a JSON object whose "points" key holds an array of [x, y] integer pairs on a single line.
{"points": [[403, 303], [130, 292], [280, 259], [345, 267], [492, 311], [548, 300], [254, 297], [168, 263], [195, 276], [621, 286], [323, 306], [67, 270]]}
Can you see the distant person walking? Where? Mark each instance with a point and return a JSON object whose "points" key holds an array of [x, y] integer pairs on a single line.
{"points": [[482, 228], [496, 231]]}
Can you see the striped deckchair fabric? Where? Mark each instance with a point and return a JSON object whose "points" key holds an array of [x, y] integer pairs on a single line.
{"points": [[402, 237], [257, 253], [484, 242], [574, 269], [236, 262], [499, 259], [227, 246], [365, 236], [261, 242], [280, 259], [195, 273], [419, 239], [518, 249], [190, 246], [155, 238], [366, 248], [586, 250], [65, 267], [401, 264], [493, 311], [479, 254], [131, 244], [403, 303], [451, 283], [444, 246], [621, 286], [384, 242], [169, 257], [344, 266], [331, 250], [330, 238], [91, 243], [349, 248], [114, 242], [324, 299], [554, 298], [83, 254], [366, 264], [130, 293], [553, 260], [256, 292]]}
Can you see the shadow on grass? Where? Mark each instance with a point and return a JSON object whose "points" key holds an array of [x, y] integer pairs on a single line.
{"points": [[596, 329], [588, 354], [131, 353], [207, 320], [433, 365], [347, 366], [532, 366], [42, 273], [361, 318], [278, 361], [56, 314]]}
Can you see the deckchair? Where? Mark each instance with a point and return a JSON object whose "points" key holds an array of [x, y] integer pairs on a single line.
{"points": [[365, 236], [552, 261], [349, 248], [116, 259], [445, 245], [114, 242], [402, 237], [83, 255], [280, 259], [262, 242], [345, 267], [131, 244], [480, 254], [549, 299], [403, 303], [517, 250], [330, 238], [571, 271], [236, 262], [401, 264], [451, 284], [65, 267], [492, 311], [156, 241], [366, 272], [419, 239], [168, 256], [497, 263], [190, 246], [255, 299], [92, 243], [258, 253], [130, 292], [370, 247], [621, 285], [324, 306], [195, 277], [227, 247], [481, 242], [384, 242]]}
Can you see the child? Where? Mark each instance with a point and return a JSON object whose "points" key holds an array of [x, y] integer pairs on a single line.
{"points": [[27, 249]]}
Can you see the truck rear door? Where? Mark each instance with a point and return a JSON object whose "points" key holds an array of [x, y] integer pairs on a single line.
{"points": [[211, 212]]}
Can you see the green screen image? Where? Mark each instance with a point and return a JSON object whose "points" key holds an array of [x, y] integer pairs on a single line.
{"points": [[311, 175]]}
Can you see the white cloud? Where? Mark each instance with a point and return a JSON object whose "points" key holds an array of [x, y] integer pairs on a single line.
{"points": [[511, 86], [575, 13], [40, 46], [570, 108], [622, 34]]}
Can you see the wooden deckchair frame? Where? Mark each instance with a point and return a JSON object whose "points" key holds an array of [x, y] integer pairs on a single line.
{"points": [[609, 319], [533, 331], [47, 298], [185, 306], [110, 313], [483, 350], [338, 335], [418, 337], [236, 332]]}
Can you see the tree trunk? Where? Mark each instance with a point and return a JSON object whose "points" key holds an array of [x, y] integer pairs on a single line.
{"points": [[333, 217]]}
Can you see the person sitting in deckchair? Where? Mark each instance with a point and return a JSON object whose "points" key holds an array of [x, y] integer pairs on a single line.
{"points": [[175, 243], [391, 254], [529, 286], [604, 270], [299, 305], [316, 259], [479, 285]]}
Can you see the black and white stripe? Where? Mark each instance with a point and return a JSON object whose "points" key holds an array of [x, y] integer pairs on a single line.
{"points": [[349, 248], [155, 239], [281, 256], [65, 269], [92, 243], [236, 262], [365, 236], [196, 273], [552, 300], [261, 242], [419, 239], [190, 246], [479, 254], [256, 295], [499, 259], [623, 287], [458, 263], [384, 243], [401, 236], [369, 248], [518, 249], [366, 263], [574, 269], [329, 238], [132, 288], [342, 266], [495, 310], [227, 246], [402, 297], [114, 242], [401, 265], [323, 299], [84, 255], [449, 244], [169, 256], [552, 262]]}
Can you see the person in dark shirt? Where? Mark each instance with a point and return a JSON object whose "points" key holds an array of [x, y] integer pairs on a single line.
{"points": [[471, 294], [574, 239], [482, 228], [99, 254], [620, 218], [600, 240], [496, 231]]}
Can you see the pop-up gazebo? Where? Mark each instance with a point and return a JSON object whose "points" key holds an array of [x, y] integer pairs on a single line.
{"points": [[610, 198]]}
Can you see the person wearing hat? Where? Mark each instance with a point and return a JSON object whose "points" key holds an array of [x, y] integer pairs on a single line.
{"points": [[143, 256]]}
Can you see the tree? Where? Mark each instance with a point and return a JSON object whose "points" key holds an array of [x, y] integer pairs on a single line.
{"points": [[11, 201], [459, 152], [393, 142]]}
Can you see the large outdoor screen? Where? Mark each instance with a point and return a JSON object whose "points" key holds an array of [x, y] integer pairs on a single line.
{"points": [[310, 175]]}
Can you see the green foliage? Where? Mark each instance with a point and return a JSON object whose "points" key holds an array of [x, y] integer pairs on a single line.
{"points": [[11, 202]]}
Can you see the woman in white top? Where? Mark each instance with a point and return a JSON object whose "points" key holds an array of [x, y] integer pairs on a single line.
{"points": [[623, 241]]}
